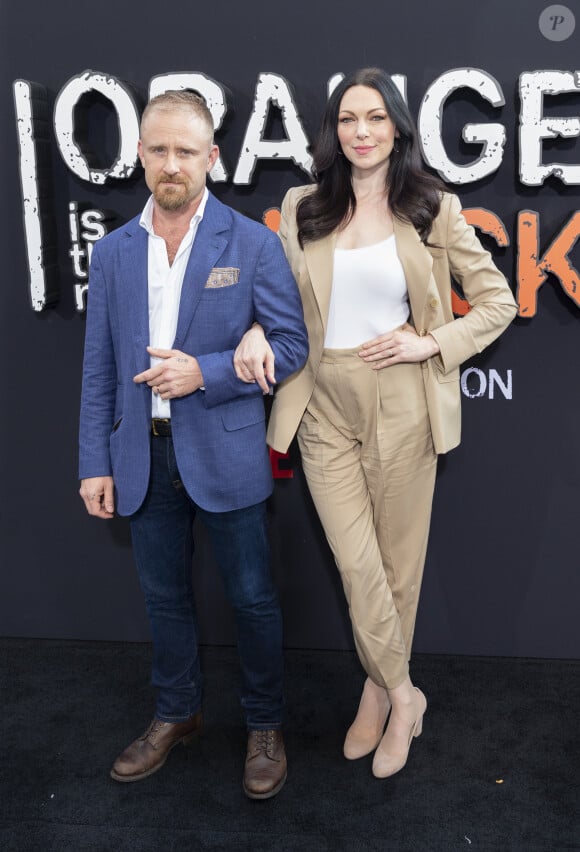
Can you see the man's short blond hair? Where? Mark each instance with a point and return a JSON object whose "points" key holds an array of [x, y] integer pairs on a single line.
{"points": [[183, 99]]}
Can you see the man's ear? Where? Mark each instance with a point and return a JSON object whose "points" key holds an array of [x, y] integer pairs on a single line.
{"points": [[214, 153]]}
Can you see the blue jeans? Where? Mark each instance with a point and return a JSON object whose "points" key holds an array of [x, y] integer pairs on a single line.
{"points": [[162, 532]]}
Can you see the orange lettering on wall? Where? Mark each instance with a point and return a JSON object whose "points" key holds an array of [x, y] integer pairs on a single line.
{"points": [[533, 270], [459, 306], [488, 223], [271, 219]]}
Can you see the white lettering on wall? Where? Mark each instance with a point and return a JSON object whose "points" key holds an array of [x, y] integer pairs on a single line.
{"points": [[475, 383], [30, 103], [127, 118], [534, 128], [272, 89], [85, 228], [492, 137], [35, 142]]}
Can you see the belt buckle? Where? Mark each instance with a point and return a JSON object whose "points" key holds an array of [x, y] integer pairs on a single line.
{"points": [[154, 422]]}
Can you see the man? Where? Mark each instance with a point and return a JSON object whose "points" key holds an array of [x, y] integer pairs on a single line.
{"points": [[169, 433]]}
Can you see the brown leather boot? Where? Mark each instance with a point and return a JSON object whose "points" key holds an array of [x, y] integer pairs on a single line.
{"points": [[265, 770], [149, 752]]}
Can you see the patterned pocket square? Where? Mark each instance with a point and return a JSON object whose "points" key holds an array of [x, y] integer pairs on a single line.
{"points": [[224, 276]]}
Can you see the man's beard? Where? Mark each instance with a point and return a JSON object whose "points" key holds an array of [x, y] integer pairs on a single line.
{"points": [[172, 198]]}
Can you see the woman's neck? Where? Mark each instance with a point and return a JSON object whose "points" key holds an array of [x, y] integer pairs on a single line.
{"points": [[370, 187]]}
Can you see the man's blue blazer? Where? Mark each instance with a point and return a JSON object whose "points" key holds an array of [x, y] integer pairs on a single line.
{"points": [[219, 432]]}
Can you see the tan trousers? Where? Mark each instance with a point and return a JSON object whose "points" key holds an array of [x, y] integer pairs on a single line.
{"points": [[370, 465]]}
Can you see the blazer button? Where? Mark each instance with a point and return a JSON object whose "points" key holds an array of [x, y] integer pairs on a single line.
{"points": [[422, 333], [434, 303]]}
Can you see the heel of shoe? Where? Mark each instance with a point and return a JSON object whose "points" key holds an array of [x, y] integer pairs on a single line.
{"points": [[418, 729], [190, 738], [385, 763]]}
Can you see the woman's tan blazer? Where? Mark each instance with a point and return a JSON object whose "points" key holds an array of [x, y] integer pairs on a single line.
{"points": [[428, 273]]}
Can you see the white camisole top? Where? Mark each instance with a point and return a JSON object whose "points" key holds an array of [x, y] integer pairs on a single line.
{"points": [[369, 295]]}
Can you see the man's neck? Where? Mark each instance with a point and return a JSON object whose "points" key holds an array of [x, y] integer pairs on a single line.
{"points": [[171, 222]]}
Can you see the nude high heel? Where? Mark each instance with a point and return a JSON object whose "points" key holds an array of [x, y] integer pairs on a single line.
{"points": [[366, 731], [389, 759]]}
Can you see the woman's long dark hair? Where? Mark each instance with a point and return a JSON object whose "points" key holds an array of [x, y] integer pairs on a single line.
{"points": [[414, 194]]}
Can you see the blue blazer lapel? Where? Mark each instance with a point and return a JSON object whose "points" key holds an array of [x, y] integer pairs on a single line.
{"points": [[209, 244], [135, 308]]}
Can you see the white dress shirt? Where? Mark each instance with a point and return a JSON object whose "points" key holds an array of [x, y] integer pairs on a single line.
{"points": [[164, 288]]}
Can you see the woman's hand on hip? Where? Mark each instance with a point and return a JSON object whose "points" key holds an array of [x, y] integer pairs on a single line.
{"points": [[402, 346]]}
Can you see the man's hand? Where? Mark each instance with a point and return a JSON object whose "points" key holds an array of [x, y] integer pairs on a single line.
{"points": [[402, 346], [177, 375], [254, 359], [97, 493]]}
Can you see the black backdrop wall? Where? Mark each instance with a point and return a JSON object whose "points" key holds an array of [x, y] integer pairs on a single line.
{"points": [[502, 572]]}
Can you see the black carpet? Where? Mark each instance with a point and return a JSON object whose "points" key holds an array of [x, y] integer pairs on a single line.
{"points": [[496, 767]]}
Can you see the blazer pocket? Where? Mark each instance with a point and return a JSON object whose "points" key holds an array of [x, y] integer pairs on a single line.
{"points": [[451, 376], [240, 415], [222, 276]]}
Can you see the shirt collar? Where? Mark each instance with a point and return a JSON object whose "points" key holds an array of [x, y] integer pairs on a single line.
{"points": [[146, 220]]}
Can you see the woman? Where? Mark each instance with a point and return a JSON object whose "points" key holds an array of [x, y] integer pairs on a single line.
{"points": [[373, 245]]}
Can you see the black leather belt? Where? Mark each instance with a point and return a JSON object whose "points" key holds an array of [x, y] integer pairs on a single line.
{"points": [[161, 427]]}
